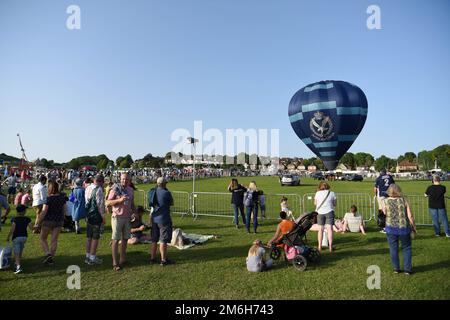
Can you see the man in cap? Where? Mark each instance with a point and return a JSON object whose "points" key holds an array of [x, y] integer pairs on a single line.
{"points": [[161, 222]]}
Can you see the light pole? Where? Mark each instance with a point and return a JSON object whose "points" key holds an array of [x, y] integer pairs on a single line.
{"points": [[192, 141]]}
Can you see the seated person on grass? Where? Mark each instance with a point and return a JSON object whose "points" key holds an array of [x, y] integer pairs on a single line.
{"points": [[283, 228], [353, 221], [337, 227], [138, 228]]}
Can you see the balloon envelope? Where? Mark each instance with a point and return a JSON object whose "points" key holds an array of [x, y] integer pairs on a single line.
{"points": [[328, 117]]}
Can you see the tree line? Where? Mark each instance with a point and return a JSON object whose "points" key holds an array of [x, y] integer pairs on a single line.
{"points": [[426, 160]]}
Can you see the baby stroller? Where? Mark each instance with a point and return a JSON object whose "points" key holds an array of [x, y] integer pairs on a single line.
{"points": [[296, 250]]}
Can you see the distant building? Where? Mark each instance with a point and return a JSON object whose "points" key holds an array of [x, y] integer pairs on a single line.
{"points": [[406, 166]]}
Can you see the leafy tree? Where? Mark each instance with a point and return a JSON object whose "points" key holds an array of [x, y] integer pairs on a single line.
{"points": [[348, 159], [384, 162]]}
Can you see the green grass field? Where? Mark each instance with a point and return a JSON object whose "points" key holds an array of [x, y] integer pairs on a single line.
{"points": [[216, 269]]}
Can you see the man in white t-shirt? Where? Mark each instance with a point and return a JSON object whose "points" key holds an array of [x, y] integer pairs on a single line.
{"points": [[325, 202], [40, 193]]}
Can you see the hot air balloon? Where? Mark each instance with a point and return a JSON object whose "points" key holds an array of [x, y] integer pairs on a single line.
{"points": [[328, 117]]}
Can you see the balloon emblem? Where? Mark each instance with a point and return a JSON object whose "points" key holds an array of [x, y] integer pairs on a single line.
{"points": [[328, 117]]}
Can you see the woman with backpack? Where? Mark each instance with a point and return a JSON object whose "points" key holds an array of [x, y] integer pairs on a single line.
{"points": [[251, 206], [325, 202]]}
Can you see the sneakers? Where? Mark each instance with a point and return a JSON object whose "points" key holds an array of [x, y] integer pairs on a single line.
{"points": [[447, 235], [87, 260], [382, 231], [18, 270], [397, 271], [437, 235], [166, 262], [408, 273], [47, 259], [95, 261]]}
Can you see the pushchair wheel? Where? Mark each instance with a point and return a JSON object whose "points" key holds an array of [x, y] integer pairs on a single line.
{"points": [[275, 253], [299, 262], [314, 255]]}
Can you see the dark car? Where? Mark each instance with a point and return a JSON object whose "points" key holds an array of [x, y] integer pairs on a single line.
{"points": [[353, 177], [318, 175]]}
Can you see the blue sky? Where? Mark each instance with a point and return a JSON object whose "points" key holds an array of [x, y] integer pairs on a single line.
{"points": [[137, 70]]}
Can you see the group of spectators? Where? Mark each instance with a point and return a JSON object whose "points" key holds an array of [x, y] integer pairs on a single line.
{"points": [[89, 200], [396, 220]]}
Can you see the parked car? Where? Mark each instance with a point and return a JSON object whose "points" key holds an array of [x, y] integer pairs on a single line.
{"points": [[352, 177], [318, 175], [290, 180]]}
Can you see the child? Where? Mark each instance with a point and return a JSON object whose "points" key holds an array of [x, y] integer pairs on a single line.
{"points": [[138, 228], [285, 207], [255, 259], [353, 221], [262, 204], [19, 225]]}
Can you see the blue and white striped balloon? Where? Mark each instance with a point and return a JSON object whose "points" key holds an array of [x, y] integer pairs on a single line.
{"points": [[328, 117]]}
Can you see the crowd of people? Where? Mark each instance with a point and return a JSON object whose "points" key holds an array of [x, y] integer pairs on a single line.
{"points": [[91, 199], [395, 219]]}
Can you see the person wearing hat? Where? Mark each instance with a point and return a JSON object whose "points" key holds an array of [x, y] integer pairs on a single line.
{"points": [[79, 204], [382, 184], [161, 222]]}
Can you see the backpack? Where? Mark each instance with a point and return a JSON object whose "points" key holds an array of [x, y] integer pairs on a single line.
{"points": [[5, 257], [92, 214], [248, 199], [152, 198]]}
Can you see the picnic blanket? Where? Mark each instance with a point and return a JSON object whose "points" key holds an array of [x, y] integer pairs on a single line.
{"points": [[182, 240]]}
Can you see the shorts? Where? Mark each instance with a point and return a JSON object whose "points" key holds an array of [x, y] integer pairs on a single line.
{"points": [[52, 224], [38, 208], [121, 228], [161, 232], [19, 244], [12, 190], [93, 231], [323, 219], [380, 202]]}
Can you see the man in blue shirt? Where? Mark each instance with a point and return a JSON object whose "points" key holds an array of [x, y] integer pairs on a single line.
{"points": [[161, 222], [382, 184]]}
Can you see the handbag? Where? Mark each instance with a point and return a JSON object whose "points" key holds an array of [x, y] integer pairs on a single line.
{"points": [[325, 199]]}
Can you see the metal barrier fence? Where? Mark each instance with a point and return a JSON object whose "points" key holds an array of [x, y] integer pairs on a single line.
{"points": [[344, 201], [216, 204]]}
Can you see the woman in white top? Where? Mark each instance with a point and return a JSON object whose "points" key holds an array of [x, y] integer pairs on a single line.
{"points": [[325, 202]]}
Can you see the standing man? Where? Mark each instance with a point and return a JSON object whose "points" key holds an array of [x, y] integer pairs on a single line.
{"points": [[382, 184], [40, 193], [95, 218], [3, 204], [161, 221], [436, 206], [12, 185], [121, 199]]}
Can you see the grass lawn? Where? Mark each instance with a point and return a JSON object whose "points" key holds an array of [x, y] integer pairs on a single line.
{"points": [[216, 269]]}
